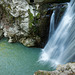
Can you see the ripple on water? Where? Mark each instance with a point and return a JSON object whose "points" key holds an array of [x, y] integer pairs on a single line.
{"points": [[16, 59]]}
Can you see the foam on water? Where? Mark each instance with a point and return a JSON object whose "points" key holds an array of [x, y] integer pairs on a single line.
{"points": [[60, 48]]}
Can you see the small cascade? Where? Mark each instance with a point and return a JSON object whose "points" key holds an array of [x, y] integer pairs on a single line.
{"points": [[60, 48], [52, 22]]}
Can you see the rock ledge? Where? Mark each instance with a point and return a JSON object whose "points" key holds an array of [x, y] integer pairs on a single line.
{"points": [[67, 69]]}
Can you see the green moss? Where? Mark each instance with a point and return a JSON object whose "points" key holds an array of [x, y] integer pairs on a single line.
{"points": [[36, 21], [9, 6], [30, 25], [38, 15], [33, 21], [31, 18]]}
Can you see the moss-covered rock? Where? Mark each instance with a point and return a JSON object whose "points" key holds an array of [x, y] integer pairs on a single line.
{"points": [[27, 42], [31, 18]]}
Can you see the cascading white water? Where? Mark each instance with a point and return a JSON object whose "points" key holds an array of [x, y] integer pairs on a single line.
{"points": [[52, 21], [60, 48]]}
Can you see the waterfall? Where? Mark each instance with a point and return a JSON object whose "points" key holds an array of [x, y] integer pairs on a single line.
{"points": [[52, 22], [60, 48]]}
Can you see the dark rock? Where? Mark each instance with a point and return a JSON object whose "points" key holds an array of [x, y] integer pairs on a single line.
{"points": [[56, 1], [48, 1], [46, 11], [1, 33]]}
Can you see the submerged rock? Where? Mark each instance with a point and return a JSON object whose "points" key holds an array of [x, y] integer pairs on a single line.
{"points": [[67, 69]]}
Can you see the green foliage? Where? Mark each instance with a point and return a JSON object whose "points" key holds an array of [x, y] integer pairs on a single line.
{"points": [[9, 6], [33, 21], [38, 15], [31, 18]]}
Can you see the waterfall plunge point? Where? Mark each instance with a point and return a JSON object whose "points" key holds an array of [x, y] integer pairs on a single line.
{"points": [[60, 47]]}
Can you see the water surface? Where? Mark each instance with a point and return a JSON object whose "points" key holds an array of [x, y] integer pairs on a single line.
{"points": [[16, 59]]}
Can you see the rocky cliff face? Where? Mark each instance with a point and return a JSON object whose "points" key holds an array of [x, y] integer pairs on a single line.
{"points": [[67, 69], [16, 21], [25, 22]]}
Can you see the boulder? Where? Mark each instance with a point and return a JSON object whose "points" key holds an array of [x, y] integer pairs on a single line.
{"points": [[27, 42]]}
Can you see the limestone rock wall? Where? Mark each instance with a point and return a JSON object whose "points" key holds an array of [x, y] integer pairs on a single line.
{"points": [[16, 21], [27, 23]]}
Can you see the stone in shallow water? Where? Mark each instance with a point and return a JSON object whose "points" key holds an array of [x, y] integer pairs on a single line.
{"points": [[27, 42]]}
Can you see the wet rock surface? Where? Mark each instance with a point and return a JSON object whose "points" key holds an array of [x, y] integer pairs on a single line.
{"points": [[67, 69], [46, 11]]}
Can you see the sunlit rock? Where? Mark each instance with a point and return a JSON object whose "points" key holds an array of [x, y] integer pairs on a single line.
{"points": [[67, 69], [27, 42]]}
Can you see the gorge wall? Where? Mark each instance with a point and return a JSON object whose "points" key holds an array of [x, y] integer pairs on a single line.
{"points": [[26, 22]]}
